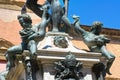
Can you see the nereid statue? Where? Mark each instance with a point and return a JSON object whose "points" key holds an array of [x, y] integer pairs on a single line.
{"points": [[29, 35], [94, 41]]}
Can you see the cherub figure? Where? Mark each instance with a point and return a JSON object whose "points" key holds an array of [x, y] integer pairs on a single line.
{"points": [[69, 68]]}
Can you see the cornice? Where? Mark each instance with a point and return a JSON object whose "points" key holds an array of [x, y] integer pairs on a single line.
{"points": [[112, 33]]}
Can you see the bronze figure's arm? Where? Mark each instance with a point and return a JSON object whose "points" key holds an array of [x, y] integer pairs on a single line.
{"points": [[40, 28], [36, 8], [76, 24]]}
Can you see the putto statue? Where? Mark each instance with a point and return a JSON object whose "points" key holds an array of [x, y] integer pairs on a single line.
{"points": [[68, 69], [94, 41]]}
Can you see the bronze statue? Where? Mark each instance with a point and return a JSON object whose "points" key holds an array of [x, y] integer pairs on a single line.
{"points": [[57, 15], [94, 41], [68, 69], [60, 42], [29, 35]]}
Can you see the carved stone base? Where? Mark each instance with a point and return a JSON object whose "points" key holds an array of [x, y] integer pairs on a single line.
{"points": [[48, 53]]}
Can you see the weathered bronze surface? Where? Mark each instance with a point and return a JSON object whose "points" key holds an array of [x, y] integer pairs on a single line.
{"points": [[29, 35], [68, 69], [94, 41]]}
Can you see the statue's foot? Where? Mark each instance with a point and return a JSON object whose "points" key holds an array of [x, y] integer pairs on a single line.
{"points": [[108, 72]]}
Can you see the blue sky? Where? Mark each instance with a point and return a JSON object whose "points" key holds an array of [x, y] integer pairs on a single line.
{"points": [[106, 11]]}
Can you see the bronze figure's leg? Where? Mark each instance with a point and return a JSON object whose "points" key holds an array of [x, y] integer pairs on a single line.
{"points": [[56, 9], [32, 47], [10, 55], [110, 58]]}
